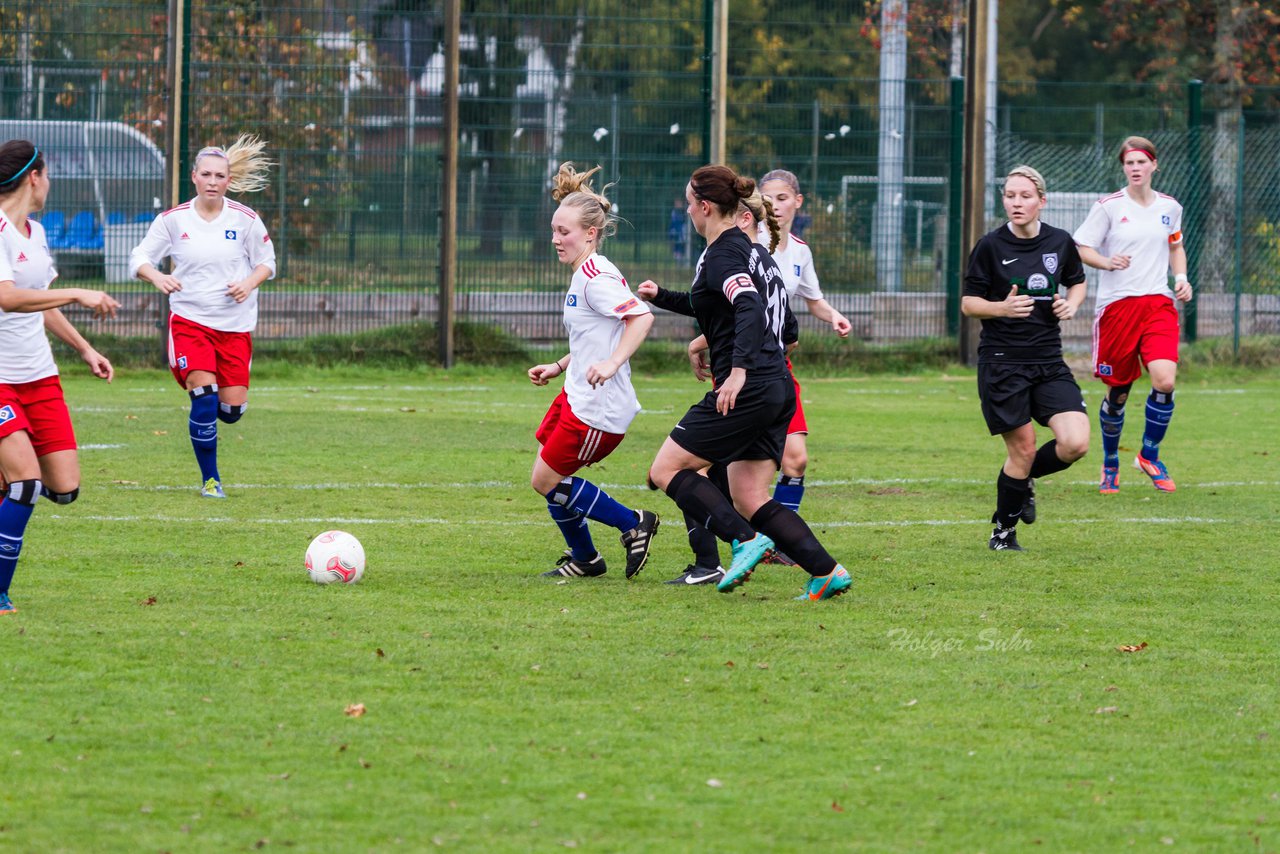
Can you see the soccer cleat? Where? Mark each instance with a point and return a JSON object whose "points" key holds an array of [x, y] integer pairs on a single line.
{"points": [[694, 574], [637, 541], [1004, 540], [1110, 480], [745, 557], [212, 489], [6, 604], [1155, 470], [568, 567], [777, 557], [1028, 514], [827, 586]]}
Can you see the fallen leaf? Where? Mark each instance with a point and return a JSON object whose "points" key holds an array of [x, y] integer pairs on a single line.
{"points": [[365, 764], [354, 710], [150, 600], [126, 482], [1106, 710], [763, 665], [1128, 647], [239, 563], [835, 806], [910, 702], [160, 432], [1110, 688], [728, 664], [131, 418], [407, 409], [378, 652]]}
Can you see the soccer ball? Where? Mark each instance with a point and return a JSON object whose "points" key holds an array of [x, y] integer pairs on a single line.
{"points": [[335, 556]]}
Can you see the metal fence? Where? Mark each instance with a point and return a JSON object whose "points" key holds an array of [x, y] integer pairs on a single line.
{"points": [[349, 99]]}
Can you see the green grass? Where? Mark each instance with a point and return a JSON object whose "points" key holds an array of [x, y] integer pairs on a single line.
{"points": [[174, 683]]}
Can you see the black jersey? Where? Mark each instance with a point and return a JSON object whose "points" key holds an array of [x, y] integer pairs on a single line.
{"points": [[740, 303], [1038, 266]]}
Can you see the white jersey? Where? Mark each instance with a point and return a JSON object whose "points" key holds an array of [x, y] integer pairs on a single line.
{"points": [[796, 264], [208, 256], [1117, 225], [25, 355], [598, 300]]}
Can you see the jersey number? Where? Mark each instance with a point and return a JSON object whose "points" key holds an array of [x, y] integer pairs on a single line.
{"points": [[775, 313]]}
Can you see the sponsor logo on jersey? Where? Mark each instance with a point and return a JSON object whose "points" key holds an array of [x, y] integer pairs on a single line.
{"points": [[6, 414], [1165, 220], [571, 299], [229, 234], [796, 267], [266, 238], [1050, 262], [1123, 219], [185, 236], [626, 306], [1038, 283], [182, 363], [22, 256], [1104, 370]]}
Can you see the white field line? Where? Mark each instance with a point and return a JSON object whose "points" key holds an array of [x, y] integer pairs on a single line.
{"points": [[510, 484], [518, 523]]}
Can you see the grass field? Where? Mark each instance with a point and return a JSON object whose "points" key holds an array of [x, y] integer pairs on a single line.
{"points": [[173, 682]]}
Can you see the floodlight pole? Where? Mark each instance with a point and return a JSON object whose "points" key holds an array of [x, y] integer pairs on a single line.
{"points": [[177, 77], [449, 182], [974, 193]]}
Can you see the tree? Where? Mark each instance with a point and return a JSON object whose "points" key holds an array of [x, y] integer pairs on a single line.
{"points": [[250, 75]]}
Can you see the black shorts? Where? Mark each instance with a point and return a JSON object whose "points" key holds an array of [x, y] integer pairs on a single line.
{"points": [[1012, 393], [755, 429]]}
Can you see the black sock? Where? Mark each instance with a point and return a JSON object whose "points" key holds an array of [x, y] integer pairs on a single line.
{"points": [[785, 527], [706, 548], [698, 497], [1046, 461], [1011, 492]]}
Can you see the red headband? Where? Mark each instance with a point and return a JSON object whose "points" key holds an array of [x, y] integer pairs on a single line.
{"points": [[1150, 154]]}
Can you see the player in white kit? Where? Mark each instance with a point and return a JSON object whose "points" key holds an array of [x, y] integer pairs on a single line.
{"points": [[1134, 236], [37, 442], [588, 419], [795, 260], [221, 254]]}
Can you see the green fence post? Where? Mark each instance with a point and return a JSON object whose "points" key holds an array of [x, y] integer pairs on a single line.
{"points": [[1239, 266], [955, 200], [1194, 201]]}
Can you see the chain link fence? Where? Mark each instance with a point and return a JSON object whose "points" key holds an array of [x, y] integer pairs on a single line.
{"points": [[349, 97]]}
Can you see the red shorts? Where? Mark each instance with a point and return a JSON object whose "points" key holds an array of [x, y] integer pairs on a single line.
{"points": [[1133, 332], [193, 347], [37, 407], [798, 424], [567, 443]]}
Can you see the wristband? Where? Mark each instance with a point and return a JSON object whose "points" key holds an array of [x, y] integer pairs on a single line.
{"points": [[1180, 278], [560, 366]]}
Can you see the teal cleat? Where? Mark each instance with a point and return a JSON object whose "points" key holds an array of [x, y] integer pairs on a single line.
{"points": [[6, 604], [827, 586], [745, 557]]}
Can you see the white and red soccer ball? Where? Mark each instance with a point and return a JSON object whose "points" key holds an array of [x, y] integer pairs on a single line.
{"points": [[335, 556]]}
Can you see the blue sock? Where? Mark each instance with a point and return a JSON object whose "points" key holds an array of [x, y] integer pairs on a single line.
{"points": [[573, 525], [1112, 421], [789, 491], [1159, 413], [584, 497], [15, 511], [203, 426]]}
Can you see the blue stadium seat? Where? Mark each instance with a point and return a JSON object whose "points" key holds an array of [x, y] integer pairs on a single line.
{"points": [[116, 218], [144, 217], [54, 223], [83, 232]]}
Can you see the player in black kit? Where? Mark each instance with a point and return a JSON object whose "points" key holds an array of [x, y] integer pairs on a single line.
{"points": [[742, 422], [1012, 285]]}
